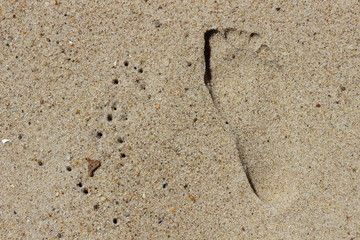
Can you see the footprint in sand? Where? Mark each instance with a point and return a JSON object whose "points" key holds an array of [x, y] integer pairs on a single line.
{"points": [[247, 88]]}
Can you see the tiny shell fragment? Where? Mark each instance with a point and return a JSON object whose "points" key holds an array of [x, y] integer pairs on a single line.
{"points": [[92, 166]]}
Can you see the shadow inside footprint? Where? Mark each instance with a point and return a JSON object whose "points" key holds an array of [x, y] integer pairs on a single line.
{"points": [[247, 87]]}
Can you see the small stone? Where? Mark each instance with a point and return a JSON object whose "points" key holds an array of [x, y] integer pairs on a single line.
{"points": [[192, 198]]}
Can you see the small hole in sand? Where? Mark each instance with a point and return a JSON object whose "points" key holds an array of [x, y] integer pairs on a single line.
{"points": [[68, 168], [109, 117], [115, 81], [120, 140], [99, 134], [115, 221], [122, 155], [85, 191], [126, 63], [79, 184], [140, 70], [254, 35]]}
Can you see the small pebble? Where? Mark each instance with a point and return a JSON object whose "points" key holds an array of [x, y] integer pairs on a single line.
{"points": [[192, 198]]}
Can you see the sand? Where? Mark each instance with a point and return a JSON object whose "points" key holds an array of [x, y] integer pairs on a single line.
{"points": [[179, 120]]}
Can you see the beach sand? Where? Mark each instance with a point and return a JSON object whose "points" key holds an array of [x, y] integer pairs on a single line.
{"points": [[179, 120]]}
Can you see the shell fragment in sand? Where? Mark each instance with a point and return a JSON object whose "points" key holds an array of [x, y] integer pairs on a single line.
{"points": [[92, 166]]}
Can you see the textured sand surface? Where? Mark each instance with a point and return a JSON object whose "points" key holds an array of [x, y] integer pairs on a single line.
{"points": [[197, 119]]}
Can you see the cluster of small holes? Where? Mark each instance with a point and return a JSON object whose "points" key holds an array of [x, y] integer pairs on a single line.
{"points": [[84, 190], [140, 70], [120, 139]]}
